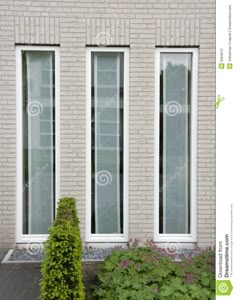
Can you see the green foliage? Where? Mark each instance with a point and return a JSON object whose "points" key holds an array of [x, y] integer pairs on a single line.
{"points": [[66, 211], [61, 267], [144, 273], [178, 289], [202, 270]]}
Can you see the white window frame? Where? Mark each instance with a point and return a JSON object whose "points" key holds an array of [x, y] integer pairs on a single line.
{"points": [[20, 237], [107, 238], [192, 237]]}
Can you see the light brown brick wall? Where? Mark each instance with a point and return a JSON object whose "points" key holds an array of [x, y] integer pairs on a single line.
{"points": [[142, 25]]}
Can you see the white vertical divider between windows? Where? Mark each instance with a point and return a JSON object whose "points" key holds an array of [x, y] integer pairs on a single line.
{"points": [[57, 125], [156, 144], [194, 114], [19, 147], [126, 144], [88, 144]]}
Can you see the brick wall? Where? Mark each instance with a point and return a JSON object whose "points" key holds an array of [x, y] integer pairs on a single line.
{"points": [[141, 24]]}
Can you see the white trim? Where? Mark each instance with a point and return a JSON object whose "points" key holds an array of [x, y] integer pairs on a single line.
{"points": [[7, 256], [98, 238], [192, 237], [57, 125], [20, 237]]}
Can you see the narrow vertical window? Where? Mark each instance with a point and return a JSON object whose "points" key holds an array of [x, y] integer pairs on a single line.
{"points": [[107, 94], [38, 95], [176, 135]]}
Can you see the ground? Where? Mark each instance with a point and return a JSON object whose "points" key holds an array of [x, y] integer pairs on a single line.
{"points": [[21, 281]]}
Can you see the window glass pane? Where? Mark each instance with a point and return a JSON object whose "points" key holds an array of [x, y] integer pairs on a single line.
{"points": [[107, 143], [175, 120], [38, 141]]}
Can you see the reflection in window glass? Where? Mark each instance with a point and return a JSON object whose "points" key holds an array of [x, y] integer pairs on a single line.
{"points": [[107, 142], [175, 128], [38, 141]]}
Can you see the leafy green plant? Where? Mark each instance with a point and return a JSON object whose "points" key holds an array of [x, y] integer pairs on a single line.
{"points": [[142, 273], [201, 270], [66, 211], [61, 267], [177, 289]]}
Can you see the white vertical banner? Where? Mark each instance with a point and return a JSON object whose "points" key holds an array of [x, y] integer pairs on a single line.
{"points": [[225, 149]]}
